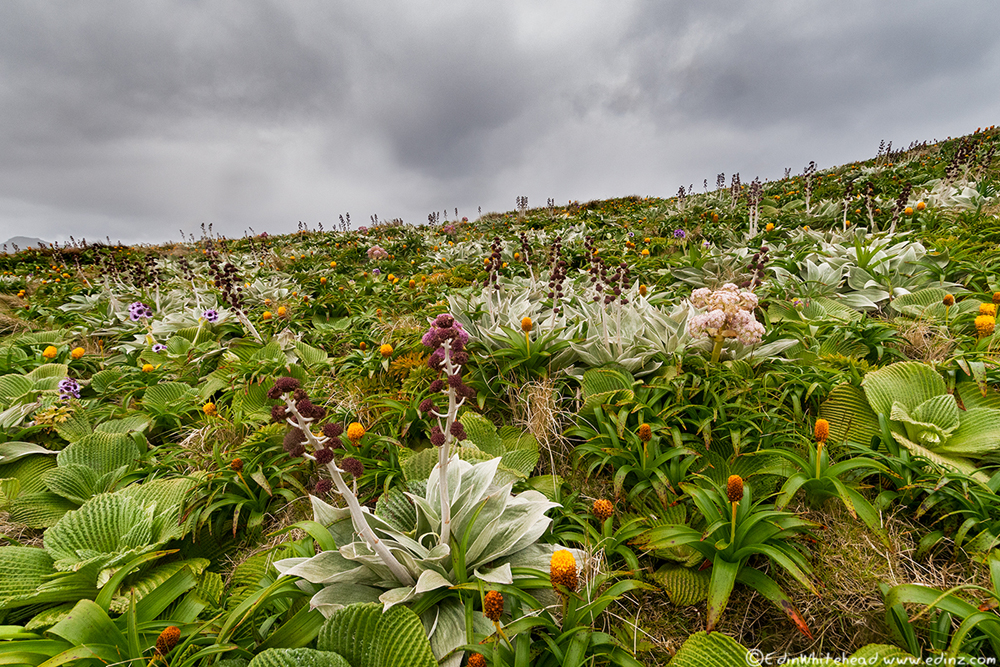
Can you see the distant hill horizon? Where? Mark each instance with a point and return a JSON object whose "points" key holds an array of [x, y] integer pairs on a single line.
{"points": [[22, 242]]}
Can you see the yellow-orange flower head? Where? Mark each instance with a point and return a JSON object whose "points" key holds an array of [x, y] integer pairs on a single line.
{"points": [[526, 324], [77, 352], [493, 606], [209, 409], [355, 432], [643, 290], [562, 570], [769, 227], [822, 431], [50, 352], [147, 368], [168, 639], [985, 324], [921, 205], [996, 297], [734, 488], [267, 315], [949, 300], [385, 350], [476, 660], [645, 432], [603, 509], [988, 309], [282, 311]]}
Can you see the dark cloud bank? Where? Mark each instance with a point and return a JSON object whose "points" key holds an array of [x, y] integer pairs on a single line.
{"points": [[135, 120]]}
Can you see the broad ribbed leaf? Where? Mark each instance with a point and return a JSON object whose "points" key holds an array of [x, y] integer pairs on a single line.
{"points": [[39, 510], [74, 428], [978, 434], [482, 433], [22, 570], [48, 372], [310, 356], [397, 510], [103, 452], [106, 529], [351, 632], [884, 655], [713, 650], [685, 586], [297, 657], [850, 417], [13, 387], [126, 425], [908, 382], [167, 396], [74, 482]]}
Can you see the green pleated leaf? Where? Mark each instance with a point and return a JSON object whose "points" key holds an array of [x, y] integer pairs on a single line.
{"points": [[74, 482], [310, 356], [367, 637], [13, 387], [482, 433], [39, 510], [12, 451], [22, 570], [684, 586], [908, 382], [396, 509], [107, 529], [29, 471], [169, 396], [103, 452], [851, 418], [74, 428], [418, 466], [127, 425], [713, 650], [977, 434], [105, 381], [48, 372], [298, 657], [250, 404]]}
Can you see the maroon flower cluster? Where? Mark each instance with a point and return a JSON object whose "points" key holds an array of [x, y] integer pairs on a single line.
{"points": [[295, 439], [447, 338]]}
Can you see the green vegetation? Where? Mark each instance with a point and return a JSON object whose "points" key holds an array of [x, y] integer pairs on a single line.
{"points": [[564, 436]]}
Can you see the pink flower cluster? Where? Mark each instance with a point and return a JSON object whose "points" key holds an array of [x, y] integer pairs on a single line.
{"points": [[729, 314], [377, 252]]}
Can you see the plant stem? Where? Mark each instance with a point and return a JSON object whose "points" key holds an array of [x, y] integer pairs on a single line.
{"points": [[444, 452], [357, 516], [732, 531], [717, 348]]}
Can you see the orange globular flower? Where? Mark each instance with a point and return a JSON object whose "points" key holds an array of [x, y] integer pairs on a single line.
{"points": [[603, 509], [50, 352], [526, 324], [822, 430], [562, 570], [267, 315], [77, 352], [385, 350], [168, 639], [282, 311], [988, 309], [493, 606], [355, 432], [734, 488], [948, 301], [645, 432]]}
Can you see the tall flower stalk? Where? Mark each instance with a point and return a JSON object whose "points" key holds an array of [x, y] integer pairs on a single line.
{"points": [[299, 412], [447, 339]]}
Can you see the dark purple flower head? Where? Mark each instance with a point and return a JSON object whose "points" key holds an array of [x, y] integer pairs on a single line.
{"points": [[680, 234], [324, 456], [436, 386], [278, 413], [353, 466], [426, 405], [211, 316], [443, 321], [323, 487], [335, 443], [282, 385], [437, 436], [458, 431], [332, 429], [293, 439]]}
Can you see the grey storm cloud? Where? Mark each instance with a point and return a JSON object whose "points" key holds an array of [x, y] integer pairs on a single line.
{"points": [[133, 120]]}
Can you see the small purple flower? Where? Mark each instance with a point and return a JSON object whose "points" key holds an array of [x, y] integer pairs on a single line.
{"points": [[211, 316], [138, 310], [376, 272], [631, 234], [680, 234], [68, 388], [159, 347]]}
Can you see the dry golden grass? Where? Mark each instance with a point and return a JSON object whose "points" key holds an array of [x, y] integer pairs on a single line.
{"points": [[925, 342]]}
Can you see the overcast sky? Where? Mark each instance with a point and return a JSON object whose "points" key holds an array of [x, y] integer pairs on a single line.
{"points": [[135, 120]]}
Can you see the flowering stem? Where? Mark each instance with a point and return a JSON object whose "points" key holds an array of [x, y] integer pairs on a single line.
{"points": [[717, 348], [444, 452], [732, 530], [358, 518], [527, 343]]}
